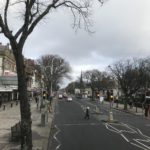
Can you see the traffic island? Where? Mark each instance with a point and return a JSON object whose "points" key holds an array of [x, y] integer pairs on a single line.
{"points": [[110, 118]]}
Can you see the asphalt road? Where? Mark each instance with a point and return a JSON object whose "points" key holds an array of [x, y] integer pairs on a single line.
{"points": [[72, 132]]}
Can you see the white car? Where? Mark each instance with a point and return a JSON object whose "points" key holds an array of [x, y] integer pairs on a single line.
{"points": [[60, 96], [69, 99]]}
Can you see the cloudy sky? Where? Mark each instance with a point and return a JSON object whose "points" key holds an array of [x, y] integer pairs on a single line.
{"points": [[122, 29]]}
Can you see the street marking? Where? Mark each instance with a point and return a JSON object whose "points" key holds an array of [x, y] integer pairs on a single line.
{"points": [[111, 128], [124, 137], [138, 140], [138, 146], [59, 143], [130, 130]]}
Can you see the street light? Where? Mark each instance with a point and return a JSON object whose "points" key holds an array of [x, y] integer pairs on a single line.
{"points": [[44, 116], [110, 117], [51, 74]]}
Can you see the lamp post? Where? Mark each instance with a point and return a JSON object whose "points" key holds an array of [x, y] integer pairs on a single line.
{"points": [[117, 93], [44, 115], [110, 117], [51, 74]]}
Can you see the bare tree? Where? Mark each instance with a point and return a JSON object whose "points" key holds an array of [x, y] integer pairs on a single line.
{"points": [[54, 69], [32, 12], [72, 86], [92, 79], [132, 75], [98, 80]]}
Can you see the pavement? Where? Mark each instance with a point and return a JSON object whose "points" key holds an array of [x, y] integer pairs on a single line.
{"points": [[138, 111], [11, 115]]}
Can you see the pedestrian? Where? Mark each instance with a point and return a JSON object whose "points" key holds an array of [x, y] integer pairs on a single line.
{"points": [[87, 113], [36, 99], [130, 103], [146, 110]]}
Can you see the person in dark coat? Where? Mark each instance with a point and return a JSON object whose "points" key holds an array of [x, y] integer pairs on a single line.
{"points": [[146, 110], [87, 113]]}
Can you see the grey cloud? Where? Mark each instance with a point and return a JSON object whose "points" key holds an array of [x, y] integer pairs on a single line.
{"points": [[122, 29]]}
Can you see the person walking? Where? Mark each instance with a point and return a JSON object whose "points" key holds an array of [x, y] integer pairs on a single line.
{"points": [[87, 113], [36, 99], [146, 110]]}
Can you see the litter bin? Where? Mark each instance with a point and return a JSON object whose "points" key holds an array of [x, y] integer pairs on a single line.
{"points": [[43, 119]]}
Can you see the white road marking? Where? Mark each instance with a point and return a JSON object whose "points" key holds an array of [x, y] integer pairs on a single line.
{"points": [[138, 146], [138, 141], [59, 143], [130, 130], [129, 127], [111, 128], [143, 134], [124, 137]]}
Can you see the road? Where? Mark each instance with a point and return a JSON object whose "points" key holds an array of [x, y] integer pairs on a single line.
{"points": [[72, 132]]}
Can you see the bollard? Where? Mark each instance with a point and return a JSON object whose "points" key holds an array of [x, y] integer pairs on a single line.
{"points": [[43, 119], [46, 117], [11, 105], [16, 102], [4, 107], [110, 116], [97, 110], [37, 105]]}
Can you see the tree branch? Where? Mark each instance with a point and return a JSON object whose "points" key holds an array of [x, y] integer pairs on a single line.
{"points": [[5, 13]]}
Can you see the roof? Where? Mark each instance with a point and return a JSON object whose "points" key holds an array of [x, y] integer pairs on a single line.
{"points": [[8, 80]]}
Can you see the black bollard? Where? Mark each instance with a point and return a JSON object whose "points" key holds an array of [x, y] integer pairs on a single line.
{"points": [[37, 105], [11, 105], [0, 104], [16, 102], [4, 107]]}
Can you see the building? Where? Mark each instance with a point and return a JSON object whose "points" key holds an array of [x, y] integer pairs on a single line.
{"points": [[7, 61], [33, 78], [8, 88], [8, 75]]}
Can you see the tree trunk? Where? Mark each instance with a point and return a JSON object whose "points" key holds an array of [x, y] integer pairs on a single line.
{"points": [[26, 132]]}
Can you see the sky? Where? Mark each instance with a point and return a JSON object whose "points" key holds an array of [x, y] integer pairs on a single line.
{"points": [[121, 30]]}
